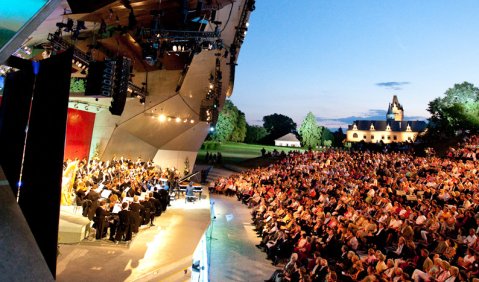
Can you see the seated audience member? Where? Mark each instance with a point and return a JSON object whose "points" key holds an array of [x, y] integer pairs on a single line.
{"points": [[288, 272]]}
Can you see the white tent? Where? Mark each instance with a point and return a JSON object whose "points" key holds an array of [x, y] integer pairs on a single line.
{"points": [[288, 140]]}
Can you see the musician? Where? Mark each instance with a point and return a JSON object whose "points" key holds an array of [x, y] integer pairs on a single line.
{"points": [[124, 223]]}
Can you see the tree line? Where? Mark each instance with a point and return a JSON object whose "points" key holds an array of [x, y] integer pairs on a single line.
{"points": [[232, 126], [456, 112]]}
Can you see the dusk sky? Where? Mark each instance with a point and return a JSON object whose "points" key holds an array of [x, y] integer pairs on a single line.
{"points": [[342, 59]]}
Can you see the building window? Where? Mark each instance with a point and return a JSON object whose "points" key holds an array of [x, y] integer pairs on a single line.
{"points": [[364, 136], [395, 137], [355, 135], [372, 136], [389, 137], [382, 137]]}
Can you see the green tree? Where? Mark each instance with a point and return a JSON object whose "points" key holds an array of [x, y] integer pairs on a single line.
{"points": [[339, 136], [310, 131], [327, 137], [231, 124], [239, 132], [77, 85], [277, 125], [457, 110], [254, 134]]}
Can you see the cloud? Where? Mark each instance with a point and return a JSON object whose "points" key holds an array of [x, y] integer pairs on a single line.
{"points": [[393, 85]]}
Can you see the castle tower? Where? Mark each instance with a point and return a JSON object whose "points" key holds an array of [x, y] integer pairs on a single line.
{"points": [[396, 109], [390, 114]]}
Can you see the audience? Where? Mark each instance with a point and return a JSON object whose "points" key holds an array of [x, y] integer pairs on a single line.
{"points": [[366, 216]]}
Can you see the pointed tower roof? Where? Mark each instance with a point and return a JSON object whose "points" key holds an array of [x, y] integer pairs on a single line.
{"points": [[396, 102]]}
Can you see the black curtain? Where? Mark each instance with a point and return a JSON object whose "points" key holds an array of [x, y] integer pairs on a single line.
{"points": [[43, 164]]}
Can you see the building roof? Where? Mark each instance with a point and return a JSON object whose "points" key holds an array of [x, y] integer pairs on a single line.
{"points": [[396, 102], [381, 125], [290, 137]]}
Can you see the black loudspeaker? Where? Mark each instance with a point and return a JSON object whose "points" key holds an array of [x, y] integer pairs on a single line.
{"points": [[101, 78], [120, 90], [94, 77]]}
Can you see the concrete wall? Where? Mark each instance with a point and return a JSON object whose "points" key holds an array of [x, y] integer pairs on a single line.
{"points": [[169, 158]]}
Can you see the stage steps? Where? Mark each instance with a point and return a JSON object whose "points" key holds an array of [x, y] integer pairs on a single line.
{"points": [[216, 173]]}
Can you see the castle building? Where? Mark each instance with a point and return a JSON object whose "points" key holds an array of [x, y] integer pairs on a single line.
{"points": [[393, 129]]}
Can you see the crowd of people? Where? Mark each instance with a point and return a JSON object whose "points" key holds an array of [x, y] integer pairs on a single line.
{"points": [[121, 195], [467, 149], [365, 216]]}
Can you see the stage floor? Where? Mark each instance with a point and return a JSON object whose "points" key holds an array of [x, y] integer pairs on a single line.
{"points": [[158, 253], [231, 243]]}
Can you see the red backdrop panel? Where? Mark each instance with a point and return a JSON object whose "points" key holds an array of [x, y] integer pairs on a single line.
{"points": [[79, 132]]}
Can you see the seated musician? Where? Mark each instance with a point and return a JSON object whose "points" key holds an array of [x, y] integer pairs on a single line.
{"points": [[190, 192], [101, 219], [124, 223]]}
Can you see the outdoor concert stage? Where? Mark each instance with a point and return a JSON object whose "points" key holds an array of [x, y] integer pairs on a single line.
{"points": [[158, 253]]}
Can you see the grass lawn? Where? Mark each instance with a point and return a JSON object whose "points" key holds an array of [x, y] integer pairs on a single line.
{"points": [[238, 152]]}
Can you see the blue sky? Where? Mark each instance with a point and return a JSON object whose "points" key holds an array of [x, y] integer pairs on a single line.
{"points": [[341, 59]]}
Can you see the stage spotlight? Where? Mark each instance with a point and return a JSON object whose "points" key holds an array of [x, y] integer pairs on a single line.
{"points": [[81, 25], [69, 26], [162, 118], [212, 128], [60, 25], [178, 119]]}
